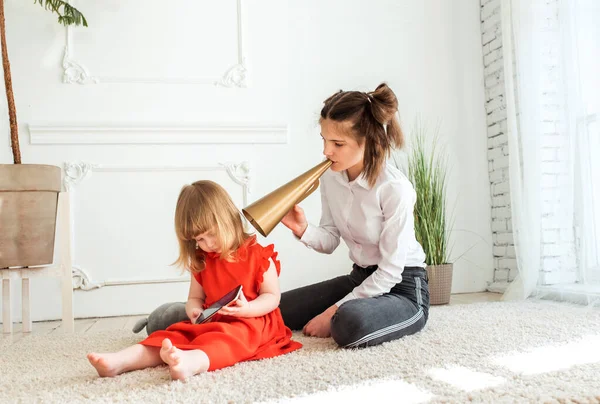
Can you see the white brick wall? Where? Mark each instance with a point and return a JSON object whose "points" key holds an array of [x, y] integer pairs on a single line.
{"points": [[505, 267], [558, 257]]}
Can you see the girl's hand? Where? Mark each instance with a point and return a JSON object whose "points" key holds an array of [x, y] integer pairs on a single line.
{"points": [[193, 313], [320, 326], [295, 220], [239, 308]]}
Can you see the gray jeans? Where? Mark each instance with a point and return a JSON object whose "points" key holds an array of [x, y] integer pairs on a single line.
{"points": [[362, 322]]}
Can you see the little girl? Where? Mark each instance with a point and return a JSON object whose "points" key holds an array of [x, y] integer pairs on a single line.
{"points": [[220, 255]]}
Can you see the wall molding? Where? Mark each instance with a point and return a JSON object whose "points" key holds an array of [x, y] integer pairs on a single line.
{"points": [[75, 72], [82, 281], [77, 172], [171, 134]]}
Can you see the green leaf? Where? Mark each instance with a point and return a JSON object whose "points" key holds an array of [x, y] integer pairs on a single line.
{"points": [[67, 14], [427, 170]]}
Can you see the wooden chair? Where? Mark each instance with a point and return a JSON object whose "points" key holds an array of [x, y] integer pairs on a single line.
{"points": [[60, 268]]}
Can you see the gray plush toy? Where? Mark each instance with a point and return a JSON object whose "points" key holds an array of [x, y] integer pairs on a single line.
{"points": [[162, 317]]}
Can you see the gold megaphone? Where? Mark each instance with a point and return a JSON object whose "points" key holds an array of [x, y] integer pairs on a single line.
{"points": [[268, 211]]}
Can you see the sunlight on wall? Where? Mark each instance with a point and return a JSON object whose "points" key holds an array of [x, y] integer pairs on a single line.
{"points": [[552, 358], [465, 379]]}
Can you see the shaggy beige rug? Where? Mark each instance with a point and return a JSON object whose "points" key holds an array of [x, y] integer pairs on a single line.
{"points": [[535, 351]]}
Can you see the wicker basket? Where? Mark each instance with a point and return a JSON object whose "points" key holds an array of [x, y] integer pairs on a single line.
{"points": [[440, 283]]}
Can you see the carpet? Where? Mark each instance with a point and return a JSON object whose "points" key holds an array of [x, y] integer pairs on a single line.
{"points": [[533, 351]]}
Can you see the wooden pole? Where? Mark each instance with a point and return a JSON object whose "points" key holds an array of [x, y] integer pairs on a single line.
{"points": [[12, 111]]}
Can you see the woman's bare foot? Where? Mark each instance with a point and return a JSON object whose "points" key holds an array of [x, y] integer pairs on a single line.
{"points": [[107, 365], [183, 364], [132, 358]]}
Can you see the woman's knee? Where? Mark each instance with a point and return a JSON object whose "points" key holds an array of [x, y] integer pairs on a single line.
{"points": [[353, 326], [347, 323]]}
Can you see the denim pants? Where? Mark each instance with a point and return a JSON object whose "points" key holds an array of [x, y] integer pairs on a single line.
{"points": [[365, 322]]}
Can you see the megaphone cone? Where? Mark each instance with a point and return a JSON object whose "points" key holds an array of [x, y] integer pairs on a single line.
{"points": [[268, 211]]}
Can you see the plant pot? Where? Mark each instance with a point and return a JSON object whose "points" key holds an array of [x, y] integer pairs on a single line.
{"points": [[440, 283], [28, 201]]}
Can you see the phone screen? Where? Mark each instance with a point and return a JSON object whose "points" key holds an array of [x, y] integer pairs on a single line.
{"points": [[216, 306]]}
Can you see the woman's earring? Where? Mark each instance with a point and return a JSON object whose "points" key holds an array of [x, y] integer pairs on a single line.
{"points": [[197, 246]]}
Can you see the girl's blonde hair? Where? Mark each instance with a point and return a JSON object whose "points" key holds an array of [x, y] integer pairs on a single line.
{"points": [[201, 207]]}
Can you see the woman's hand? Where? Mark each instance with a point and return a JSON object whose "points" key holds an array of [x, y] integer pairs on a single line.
{"points": [[295, 220], [239, 308], [193, 313], [320, 326]]}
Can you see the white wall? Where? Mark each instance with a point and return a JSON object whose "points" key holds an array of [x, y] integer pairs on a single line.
{"points": [[299, 53]]}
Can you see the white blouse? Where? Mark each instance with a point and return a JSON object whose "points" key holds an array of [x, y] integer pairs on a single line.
{"points": [[376, 223]]}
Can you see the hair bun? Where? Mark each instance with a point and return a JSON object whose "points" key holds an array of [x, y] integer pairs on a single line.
{"points": [[385, 103]]}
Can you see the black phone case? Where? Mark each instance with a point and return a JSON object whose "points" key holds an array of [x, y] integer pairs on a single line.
{"points": [[216, 306]]}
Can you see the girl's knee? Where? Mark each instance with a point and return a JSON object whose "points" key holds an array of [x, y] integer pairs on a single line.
{"points": [[346, 324]]}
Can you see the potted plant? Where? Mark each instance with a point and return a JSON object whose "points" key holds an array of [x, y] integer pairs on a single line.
{"points": [[28, 192], [427, 170]]}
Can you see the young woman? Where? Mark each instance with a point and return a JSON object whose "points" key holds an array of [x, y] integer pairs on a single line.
{"points": [[370, 206]]}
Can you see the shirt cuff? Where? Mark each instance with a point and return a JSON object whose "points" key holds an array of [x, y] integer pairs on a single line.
{"points": [[308, 235], [347, 298]]}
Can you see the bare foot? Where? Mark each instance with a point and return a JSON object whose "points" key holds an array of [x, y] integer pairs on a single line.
{"points": [[131, 358], [107, 365], [183, 364]]}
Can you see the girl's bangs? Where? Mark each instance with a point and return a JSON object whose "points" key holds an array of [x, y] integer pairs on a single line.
{"points": [[195, 224]]}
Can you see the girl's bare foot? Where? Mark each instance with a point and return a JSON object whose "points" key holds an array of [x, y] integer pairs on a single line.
{"points": [[107, 365], [183, 364], [132, 358]]}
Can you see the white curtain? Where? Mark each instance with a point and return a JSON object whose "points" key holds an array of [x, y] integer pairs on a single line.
{"points": [[551, 68], [582, 42]]}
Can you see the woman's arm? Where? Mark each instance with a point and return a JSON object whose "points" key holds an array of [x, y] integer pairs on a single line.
{"points": [[196, 297], [325, 238], [267, 300], [397, 204]]}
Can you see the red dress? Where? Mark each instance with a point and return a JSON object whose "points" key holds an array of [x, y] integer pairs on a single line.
{"points": [[227, 340]]}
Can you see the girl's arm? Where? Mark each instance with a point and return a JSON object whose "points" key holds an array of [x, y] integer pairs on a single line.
{"points": [[325, 238], [196, 296], [267, 300]]}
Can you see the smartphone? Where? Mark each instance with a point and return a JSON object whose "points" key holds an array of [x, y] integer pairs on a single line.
{"points": [[216, 306]]}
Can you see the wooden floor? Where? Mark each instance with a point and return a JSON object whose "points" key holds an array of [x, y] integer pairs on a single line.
{"points": [[92, 325]]}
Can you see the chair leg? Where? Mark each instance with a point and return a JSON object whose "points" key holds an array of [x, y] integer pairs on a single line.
{"points": [[7, 324], [68, 319], [26, 304]]}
